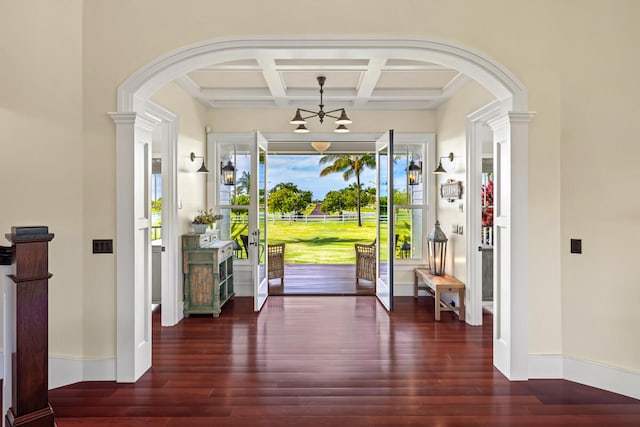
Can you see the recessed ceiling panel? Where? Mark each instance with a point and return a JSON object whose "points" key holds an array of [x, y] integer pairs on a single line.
{"points": [[409, 63], [228, 79], [415, 79], [335, 79]]}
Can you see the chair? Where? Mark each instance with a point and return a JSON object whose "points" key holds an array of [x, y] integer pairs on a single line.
{"points": [[275, 261], [237, 249], [245, 243], [366, 261]]}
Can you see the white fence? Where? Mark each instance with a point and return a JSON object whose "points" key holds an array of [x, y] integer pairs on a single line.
{"points": [[344, 218]]}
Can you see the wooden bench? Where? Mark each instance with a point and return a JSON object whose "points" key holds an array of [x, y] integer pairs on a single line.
{"points": [[435, 285]]}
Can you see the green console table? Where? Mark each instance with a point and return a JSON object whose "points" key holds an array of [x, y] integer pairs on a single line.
{"points": [[207, 265]]}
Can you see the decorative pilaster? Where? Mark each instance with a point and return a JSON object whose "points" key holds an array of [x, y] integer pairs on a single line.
{"points": [[29, 356]]}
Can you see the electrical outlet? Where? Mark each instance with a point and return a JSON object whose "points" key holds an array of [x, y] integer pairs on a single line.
{"points": [[576, 246], [454, 229], [460, 229]]}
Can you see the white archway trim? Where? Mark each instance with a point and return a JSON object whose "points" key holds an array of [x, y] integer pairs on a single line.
{"points": [[488, 72], [135, 91]]}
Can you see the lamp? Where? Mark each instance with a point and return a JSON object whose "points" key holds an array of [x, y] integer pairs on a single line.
{"points": [[414, 173], [440, 169], [320, 146], [341, 120], [227, 173], [203, 168], [437, 244]]}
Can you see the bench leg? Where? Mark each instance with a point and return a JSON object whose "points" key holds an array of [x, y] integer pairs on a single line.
{"points": [[437, 300], [462, 309]]}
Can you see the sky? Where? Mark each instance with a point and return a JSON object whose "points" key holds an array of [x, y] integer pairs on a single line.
{"points": [[304, 171]]}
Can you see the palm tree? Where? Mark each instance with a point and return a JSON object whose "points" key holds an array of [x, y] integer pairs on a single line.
{"points": [[244, 183], [350, 166]]}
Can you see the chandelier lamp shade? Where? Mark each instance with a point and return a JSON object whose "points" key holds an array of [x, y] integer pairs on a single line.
{"points": [[437, 244], [203, 168], [341, 120]]}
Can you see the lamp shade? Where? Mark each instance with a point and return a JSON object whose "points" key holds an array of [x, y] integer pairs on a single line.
{"points": [[343, 119], [341, 129], [437, 245], [301, 129], [297, 119]]}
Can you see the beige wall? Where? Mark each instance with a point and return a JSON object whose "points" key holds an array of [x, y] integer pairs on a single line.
{"points": [[451, 138], [577, 58], [41, 150], [276, 121], [192, 119]]}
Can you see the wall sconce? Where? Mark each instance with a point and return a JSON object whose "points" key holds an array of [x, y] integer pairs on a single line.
{"points": [[414, 173], [203, 168], [437, 244], [227, 174], [440, 169]]}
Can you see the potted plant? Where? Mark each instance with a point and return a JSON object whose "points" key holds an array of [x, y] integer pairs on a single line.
{"points": [[203, 220]]}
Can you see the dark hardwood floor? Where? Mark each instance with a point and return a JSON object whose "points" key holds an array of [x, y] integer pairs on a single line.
{"points": [[332, 361], [320, 279]]}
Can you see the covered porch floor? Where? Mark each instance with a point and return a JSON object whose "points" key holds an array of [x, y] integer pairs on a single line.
{"points": [[320, 279]]}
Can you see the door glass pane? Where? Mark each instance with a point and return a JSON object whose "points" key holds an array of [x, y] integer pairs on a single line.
{"points": [[382, 214], [408, 233], [240, 157]]}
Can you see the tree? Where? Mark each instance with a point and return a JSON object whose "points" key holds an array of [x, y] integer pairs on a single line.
{"points": [[333, 202], [287, 198], [244, 183], [351, 166]]}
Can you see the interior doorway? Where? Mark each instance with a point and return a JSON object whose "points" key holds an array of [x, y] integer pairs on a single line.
{"points": [[510, 133]]}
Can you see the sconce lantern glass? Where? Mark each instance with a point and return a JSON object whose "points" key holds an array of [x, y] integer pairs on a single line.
{"points": [[437, 244], [203, 168], [227, 174], [414, 173], [440, 169]]}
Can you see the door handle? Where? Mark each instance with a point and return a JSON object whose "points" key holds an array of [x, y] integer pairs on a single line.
{"points": [[164, 249], [479, 248]]}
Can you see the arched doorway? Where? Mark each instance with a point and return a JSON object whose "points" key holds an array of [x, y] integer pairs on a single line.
{"points": [[510, 126]]}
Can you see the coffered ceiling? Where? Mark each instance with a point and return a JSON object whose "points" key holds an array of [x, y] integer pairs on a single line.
{"points": [[287, 81]]}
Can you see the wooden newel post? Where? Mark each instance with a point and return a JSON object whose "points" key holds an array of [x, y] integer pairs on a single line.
{"points": [[29, 357]]}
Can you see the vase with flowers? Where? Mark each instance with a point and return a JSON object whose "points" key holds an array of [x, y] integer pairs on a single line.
{"points": [[204, 220]]}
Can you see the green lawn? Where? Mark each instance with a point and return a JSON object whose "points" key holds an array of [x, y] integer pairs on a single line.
{"points": [[319, 243], [322, 243]]}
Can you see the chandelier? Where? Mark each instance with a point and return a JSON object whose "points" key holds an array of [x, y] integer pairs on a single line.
{"points": [[341, 120]]}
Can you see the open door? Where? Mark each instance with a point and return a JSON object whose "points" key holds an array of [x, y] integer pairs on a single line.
{"points": [[384, 230], [258, 236]]}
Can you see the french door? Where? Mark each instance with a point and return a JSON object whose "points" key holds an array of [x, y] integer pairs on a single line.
{"points": [[385, 245], [258, 235]]}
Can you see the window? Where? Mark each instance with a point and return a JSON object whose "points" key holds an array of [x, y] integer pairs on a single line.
{"points": [[409, 201]]}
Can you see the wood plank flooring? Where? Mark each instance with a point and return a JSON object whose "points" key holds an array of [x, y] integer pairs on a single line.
{"points": [[321, 279], [332, 361]]}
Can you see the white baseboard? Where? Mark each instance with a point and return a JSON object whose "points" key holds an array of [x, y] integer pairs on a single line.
{"points": [[65, 371], [604, 377]]}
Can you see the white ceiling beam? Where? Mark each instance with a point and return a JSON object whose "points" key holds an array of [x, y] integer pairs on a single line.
{"points": [[192, 88], [273, 79], [369, 80], [407, 93]]}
